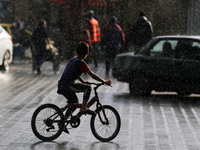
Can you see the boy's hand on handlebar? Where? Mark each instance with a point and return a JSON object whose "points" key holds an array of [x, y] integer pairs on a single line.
{"points": [[108, 82]]}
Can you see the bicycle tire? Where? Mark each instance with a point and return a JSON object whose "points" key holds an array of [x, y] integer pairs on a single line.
{"points": [[103, 132], [47, 130]]}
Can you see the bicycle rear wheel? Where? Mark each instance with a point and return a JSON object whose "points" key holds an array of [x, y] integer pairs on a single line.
{"points": [[47, 122], [102, 130]]}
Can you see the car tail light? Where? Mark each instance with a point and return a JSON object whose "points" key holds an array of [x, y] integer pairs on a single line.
{"points": [[11, 39]]}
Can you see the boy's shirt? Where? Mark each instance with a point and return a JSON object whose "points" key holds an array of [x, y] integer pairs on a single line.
{"points": [[75, 67]]}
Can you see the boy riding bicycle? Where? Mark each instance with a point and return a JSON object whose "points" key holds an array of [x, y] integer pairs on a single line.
{"points": [[67, 86]]}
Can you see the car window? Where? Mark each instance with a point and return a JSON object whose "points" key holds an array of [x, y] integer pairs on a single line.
{"points": [[187, 49], [164, 48], [195, 54]]}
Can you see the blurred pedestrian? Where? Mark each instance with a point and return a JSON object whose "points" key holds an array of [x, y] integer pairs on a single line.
{"points": [[94, 30], [141, 32], [31, 25], [26, 42], [113, 39], [57, 37], [85, 37], [17, 24], [32, 22], [17, 36], [40, 37]]}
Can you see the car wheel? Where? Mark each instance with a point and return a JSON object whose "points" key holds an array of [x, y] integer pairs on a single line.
{"points": [[139, 86], [5, 65]]}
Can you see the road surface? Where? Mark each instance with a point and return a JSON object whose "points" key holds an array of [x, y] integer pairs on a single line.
{"points": [[162, 121]]}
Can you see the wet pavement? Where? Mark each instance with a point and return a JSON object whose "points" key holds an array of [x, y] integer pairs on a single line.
{"points": [[162, 121]]}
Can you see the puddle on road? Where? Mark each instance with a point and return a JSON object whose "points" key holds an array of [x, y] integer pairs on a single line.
{"points": [[4, 76]]}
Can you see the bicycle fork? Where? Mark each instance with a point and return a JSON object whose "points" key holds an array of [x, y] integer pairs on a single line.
{"points": [[106, 122], [98, 106]]}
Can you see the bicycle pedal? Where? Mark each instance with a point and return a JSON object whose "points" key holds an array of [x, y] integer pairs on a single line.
{"points": [[65, 130]]}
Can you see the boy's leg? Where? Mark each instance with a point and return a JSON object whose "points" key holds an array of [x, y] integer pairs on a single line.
{"points": [[70, 96], [82, 88]]}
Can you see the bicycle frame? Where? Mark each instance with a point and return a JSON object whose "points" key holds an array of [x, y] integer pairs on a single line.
{"points": [[90, 103], [98, 105]]}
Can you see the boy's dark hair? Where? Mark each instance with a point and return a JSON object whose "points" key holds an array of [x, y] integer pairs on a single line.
{"points": [[82, 49]]}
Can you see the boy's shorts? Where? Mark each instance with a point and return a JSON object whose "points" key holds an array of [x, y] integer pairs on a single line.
{"points": [[69, 91]]}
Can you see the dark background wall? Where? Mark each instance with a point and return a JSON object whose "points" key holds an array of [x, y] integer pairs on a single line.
{"points": [[168, 17]]}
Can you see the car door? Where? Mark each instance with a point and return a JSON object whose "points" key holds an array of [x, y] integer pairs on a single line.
{"points": [[187, 62], [2, 45], [159, 64]]}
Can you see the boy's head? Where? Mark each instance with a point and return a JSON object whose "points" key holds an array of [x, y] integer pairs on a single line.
{"points": [[82, 49]]}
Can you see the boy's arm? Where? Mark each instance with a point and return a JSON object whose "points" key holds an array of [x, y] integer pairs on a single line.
{"points": [[96, 77], [82, 81]]}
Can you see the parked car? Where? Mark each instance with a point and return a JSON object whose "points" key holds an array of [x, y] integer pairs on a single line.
{"points": [[166, 63], [6, 49]]}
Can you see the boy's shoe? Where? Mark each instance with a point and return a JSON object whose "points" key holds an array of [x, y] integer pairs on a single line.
{"points": [[64, 128]]}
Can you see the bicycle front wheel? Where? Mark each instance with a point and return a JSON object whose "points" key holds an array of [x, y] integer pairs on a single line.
{"points": [[103, 130], [47, 122]]}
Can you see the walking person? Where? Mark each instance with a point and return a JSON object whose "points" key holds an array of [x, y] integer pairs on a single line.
{"points": [[141, 32], [40, 37], [85, 37], [17, 31], [17, 25], [113, 39], [94, 30]]}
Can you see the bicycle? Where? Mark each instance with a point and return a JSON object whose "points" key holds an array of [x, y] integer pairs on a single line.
{"points": [[48, 120]]}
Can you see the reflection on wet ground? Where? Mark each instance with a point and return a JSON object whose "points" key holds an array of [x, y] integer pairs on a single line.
{"points": [[164, 98]]}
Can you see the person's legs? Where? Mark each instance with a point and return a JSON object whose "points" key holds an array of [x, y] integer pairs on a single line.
{"points": [[95, 54], [108, 59], [113, 54], [82, 88], [70, 96], [39, 61]]}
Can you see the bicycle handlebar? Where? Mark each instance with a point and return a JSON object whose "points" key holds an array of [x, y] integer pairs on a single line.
{"points": [[98, 84]]}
